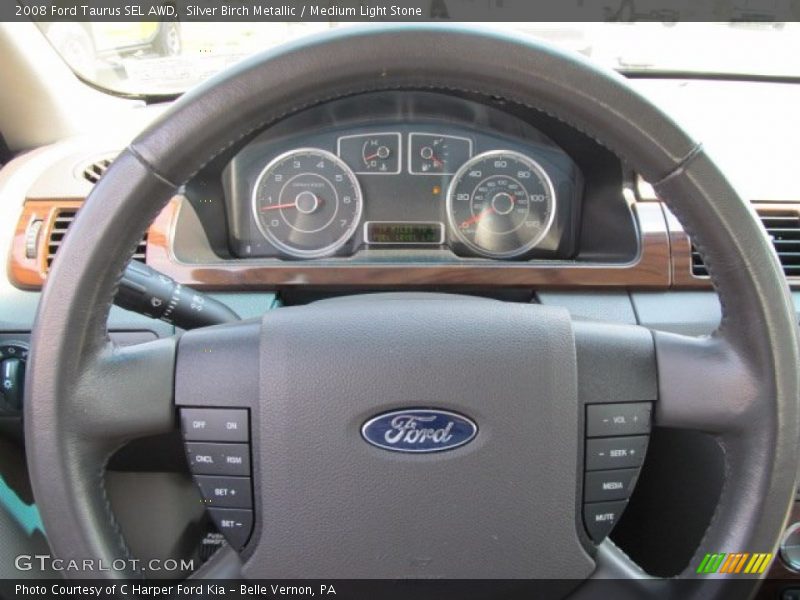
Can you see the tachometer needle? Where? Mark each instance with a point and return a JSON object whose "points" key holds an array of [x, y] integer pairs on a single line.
{"points": [[476, 218], [279, 206]]}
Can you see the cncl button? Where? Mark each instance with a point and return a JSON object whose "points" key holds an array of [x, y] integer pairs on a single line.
{"points": [[214, 424], [207, 458]]}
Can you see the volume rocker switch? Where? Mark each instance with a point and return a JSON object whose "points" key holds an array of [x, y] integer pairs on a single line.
{"points": [[627, 418]]}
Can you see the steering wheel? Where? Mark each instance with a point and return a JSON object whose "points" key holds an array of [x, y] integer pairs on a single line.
{"points": [[327, 504]]}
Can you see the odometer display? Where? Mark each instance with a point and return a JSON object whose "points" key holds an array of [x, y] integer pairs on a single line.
{"points": [[397, 233], [307, 203], [501, 204]]}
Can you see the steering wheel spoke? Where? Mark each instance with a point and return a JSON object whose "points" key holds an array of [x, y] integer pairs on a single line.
{"points": [[704, 383], [126, 392]]}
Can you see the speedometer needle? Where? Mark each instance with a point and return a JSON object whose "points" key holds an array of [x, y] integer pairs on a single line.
{"points": [[475, 218]]}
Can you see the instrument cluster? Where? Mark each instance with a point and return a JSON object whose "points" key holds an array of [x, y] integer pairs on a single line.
{"points": [[435, 189]]}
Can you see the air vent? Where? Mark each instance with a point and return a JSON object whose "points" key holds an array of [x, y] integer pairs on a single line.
{"points": [[94, 171], [61, 224], [783, 227]]}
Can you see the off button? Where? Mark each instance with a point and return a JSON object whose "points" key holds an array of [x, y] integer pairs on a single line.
{"points": [[214, 424]]}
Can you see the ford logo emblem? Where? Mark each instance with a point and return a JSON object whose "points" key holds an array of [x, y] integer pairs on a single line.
{"points": [[419, 430]]}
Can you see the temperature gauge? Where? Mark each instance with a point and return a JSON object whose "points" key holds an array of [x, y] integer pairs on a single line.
{"points": [[371, 153], [431, 154]]}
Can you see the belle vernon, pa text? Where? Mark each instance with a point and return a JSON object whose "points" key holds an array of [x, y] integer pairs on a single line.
{"points": [[139, 590], [302, 11]]}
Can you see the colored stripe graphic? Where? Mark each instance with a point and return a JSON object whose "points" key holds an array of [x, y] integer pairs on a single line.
{"points": [[735, 562]]}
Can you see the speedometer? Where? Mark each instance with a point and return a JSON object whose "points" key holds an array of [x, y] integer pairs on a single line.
{"points": [[307, 203], [501, 204]]}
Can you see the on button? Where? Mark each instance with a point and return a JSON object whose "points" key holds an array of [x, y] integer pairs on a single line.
{"points": [[215, 424]]}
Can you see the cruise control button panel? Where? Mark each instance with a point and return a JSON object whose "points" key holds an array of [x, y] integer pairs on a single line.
{"points": [[217, 442], [617, 435]]}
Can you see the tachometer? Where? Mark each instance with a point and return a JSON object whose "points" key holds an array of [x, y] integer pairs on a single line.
{"points": [[501, 204], [307, 203]]}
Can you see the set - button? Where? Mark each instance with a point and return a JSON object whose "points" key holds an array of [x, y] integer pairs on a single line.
{"points": [[218, 450], [617, 437]]}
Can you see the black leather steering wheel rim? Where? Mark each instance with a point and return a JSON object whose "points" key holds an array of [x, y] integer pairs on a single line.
{"points": [[750, 401]]}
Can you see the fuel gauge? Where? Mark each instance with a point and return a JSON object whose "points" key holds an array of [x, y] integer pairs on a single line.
{"points": [[371, 153], [432, 154]]}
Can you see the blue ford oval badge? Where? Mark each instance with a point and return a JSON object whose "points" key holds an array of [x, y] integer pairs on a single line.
{"points": [[419, 430]]}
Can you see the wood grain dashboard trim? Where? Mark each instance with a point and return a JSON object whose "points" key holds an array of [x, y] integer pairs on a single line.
{"points": [[27, 272], [681, 247], [651, 270]]}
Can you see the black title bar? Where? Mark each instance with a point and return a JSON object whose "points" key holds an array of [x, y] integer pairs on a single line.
{"points": [[665, 11]]}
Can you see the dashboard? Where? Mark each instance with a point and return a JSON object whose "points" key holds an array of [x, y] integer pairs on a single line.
{"points": [[404, 181], [389, 176], [392, 190]]}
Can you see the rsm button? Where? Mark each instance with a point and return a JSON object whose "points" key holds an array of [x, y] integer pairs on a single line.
{"points": [[218, 459]]}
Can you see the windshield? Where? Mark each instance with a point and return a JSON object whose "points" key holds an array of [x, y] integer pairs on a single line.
{"points": [[169, 57]]}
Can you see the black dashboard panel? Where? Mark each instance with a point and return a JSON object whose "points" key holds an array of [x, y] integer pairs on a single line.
{"points": [[405, 150]]}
